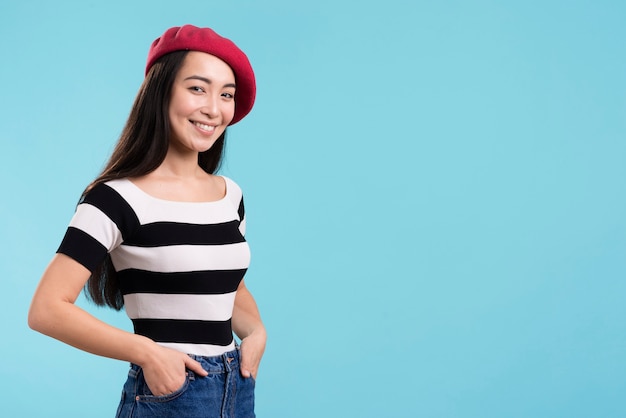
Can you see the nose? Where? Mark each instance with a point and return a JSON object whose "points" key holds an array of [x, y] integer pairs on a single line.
{"points": [[211, 107]]}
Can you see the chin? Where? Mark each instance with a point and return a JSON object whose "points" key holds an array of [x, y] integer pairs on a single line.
{"points": [[206, 147]]}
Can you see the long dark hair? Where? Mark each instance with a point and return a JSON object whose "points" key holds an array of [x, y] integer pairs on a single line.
{"points": [[141, 148]]}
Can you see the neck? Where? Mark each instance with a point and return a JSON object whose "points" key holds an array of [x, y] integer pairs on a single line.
{"points": [[180, 165]]}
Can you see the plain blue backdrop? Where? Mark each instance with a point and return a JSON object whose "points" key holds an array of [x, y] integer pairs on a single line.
{"points": [[435, 197]]}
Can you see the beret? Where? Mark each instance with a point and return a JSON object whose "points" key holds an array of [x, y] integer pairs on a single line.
{"points": [[192, 38]]}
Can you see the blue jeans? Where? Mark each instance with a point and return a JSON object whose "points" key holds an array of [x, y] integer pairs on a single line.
{"points": [[224, 393]]}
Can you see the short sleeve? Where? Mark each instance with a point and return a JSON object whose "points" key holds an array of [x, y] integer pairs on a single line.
{"points": [[101, 222]]}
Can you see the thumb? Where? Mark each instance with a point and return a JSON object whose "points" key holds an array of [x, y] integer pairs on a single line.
{"points": [[195, 367], [245, 369]]}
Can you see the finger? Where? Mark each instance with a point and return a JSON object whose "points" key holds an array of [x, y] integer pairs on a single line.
{"points": [[244, 368], [247, 370], [245, 365], [195, 367], [249, 362]]}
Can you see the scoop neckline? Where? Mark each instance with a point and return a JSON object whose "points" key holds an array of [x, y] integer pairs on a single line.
{"points": [[143, 192]]}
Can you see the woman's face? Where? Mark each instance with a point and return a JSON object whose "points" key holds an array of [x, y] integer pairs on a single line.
{"points": [[202, 102]]}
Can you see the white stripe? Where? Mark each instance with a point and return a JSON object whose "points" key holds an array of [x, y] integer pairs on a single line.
{"points": [[192, 307], [96, 223], [207, 350], [179, 258], [150, 209], [242, 226]]}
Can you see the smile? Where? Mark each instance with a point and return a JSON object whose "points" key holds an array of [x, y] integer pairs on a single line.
{"points": [[204, 127]]}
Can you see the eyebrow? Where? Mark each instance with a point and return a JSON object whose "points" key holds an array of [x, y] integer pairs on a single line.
{"points": [[206, 80]]}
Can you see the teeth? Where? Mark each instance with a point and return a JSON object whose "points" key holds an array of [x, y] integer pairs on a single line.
{"points": [[204, 127]]}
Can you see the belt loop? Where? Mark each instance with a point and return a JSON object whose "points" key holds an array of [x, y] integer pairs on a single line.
{"points": [[227, 360]]}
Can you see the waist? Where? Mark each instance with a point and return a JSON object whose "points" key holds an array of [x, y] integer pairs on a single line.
{"points": [[224, 362]]}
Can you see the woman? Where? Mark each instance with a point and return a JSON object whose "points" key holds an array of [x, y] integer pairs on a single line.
{"points": [[159, 233]]}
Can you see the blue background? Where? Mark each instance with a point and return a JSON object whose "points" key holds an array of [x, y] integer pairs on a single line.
{"points": [[435, 197]]}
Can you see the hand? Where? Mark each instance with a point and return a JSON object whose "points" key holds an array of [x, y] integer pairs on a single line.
{"points": [[165, 371], [252, 348]]}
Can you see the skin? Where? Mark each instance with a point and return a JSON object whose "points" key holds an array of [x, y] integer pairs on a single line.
{"points": [[203, 92]]}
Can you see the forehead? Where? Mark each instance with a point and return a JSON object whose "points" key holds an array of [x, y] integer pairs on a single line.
{"points": [[206, 65]]}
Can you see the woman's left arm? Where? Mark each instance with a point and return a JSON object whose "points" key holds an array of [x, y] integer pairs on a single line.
{"points": [[249, 328]]}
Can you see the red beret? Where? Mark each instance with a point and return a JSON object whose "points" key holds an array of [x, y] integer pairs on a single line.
{"points": [[192, 38]]}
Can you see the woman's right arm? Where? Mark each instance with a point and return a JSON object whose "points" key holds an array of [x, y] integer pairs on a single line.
{"points": [[53, 313]]}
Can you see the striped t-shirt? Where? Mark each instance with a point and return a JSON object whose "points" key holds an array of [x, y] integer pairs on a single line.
{"points": [[178, 263]]}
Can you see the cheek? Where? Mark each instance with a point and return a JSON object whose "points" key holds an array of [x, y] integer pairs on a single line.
{"points": [[174, 111], [181, 104], [229, 112]]}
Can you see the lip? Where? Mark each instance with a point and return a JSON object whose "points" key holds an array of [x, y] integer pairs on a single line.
{"points": [[211, 130]]}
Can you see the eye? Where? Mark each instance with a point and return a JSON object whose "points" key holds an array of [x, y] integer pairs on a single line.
{"points": [[228, 95], [196, 89]]}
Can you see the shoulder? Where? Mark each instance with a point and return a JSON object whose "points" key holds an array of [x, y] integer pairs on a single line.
{"points": [[235, 196], [233, 190], [111, 198], [101, 193], [110, 193]]}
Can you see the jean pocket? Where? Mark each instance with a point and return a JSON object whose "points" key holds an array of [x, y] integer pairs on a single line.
{"points": [[145, 395]]}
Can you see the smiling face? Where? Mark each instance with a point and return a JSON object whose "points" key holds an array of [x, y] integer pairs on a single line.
{"points": [[202, 102]]}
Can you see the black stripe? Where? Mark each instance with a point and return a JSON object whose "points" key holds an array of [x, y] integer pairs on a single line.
{"points": [[241, 211], [83, 248], [115, 207], [185, 331], [160, 234], [212, 282]]}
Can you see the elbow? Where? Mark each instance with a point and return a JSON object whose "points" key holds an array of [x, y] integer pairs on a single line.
{"points": [[38, 318], [34, 319]]}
